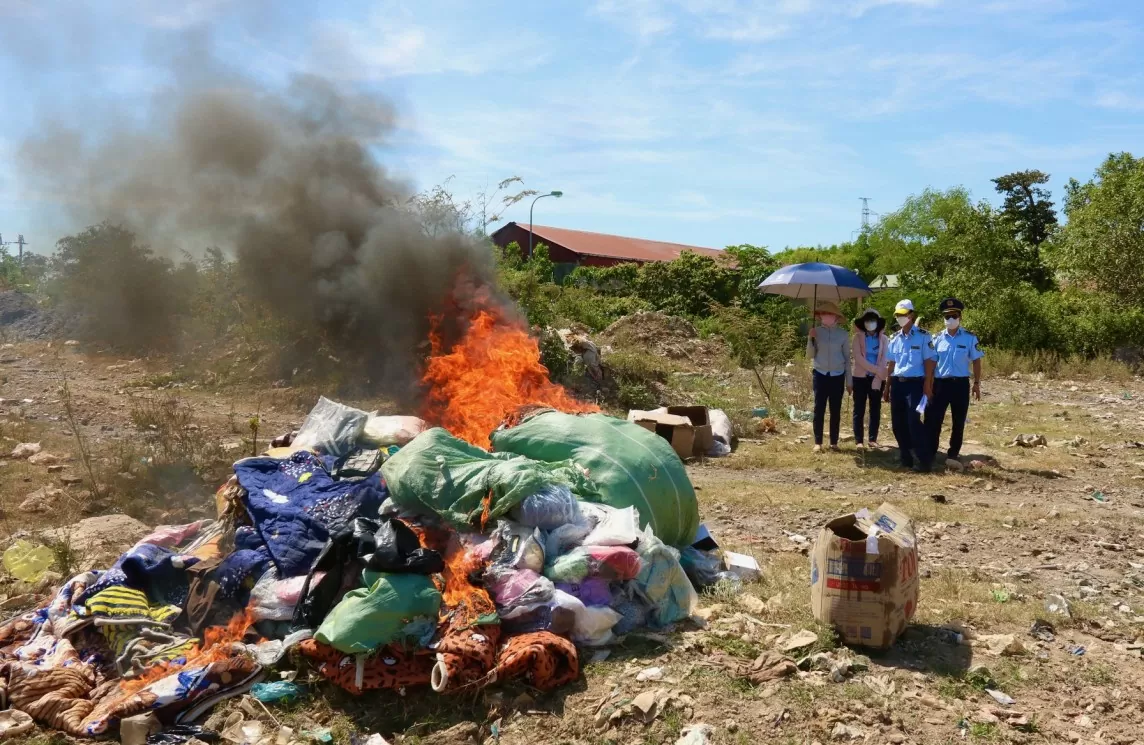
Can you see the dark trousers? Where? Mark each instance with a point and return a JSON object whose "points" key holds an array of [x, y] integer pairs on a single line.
{"points": [[912, 436], [948, 393], [863, 394], [828, 389]]}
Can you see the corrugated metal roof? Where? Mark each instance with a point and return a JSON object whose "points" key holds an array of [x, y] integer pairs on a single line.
{"points": [[615, 246]]}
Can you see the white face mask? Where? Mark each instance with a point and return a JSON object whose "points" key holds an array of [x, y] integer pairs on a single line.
{"points": [[902, 320], [871, 325], [952, 323]]}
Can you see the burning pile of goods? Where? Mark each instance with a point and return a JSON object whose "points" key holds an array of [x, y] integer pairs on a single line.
{"points": [[389, 553]]}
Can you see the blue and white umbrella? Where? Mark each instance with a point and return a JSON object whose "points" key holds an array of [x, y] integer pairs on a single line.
{"points": [[815, 281]]}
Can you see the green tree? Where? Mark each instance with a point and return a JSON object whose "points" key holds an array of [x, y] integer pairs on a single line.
{"points": [[1102, 244], [688, 285], [117, 290], [1027, 205]]}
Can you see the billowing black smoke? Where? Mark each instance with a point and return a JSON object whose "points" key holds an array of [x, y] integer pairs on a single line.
{"points": [[289, 184]]}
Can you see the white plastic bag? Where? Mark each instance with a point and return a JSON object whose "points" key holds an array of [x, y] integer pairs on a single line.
{"points": [[722, 431], [382, 431], [593, 625], [614, 527], [331, 428]]}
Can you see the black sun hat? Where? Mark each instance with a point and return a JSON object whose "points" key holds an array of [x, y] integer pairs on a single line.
{"points": [[860, 321]]}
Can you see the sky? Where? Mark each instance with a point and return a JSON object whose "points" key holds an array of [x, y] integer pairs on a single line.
{"points": [[706, 122]]}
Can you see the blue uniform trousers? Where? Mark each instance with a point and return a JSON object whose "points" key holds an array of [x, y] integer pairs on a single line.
{"points": [[914, 439], [952, 394]]}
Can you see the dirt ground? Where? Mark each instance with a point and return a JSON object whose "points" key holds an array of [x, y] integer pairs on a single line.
{"points": [[996, 540]]}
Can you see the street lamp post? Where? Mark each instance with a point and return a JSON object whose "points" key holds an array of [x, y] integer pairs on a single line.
{"points": [[556, 194]]}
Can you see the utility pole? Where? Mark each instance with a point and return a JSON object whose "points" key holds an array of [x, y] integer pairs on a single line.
{"points": [[20, 242], [865, 213]]}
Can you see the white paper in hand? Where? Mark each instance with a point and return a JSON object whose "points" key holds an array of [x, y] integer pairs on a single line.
{"points": [[922, 404]]}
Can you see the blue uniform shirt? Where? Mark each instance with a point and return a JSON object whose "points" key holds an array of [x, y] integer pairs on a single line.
{"points": [[909, 352], [872, 349], [955, 353]]}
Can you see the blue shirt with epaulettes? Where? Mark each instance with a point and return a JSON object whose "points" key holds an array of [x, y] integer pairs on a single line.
{"points": [[955, 353], [909, 352]]}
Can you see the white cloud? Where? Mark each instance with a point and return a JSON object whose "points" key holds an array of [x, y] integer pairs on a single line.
{"points": [[389, 47], [955, 151], [1120, 100], [180, 15], [644, 18], [862, 7], [747, 29]]}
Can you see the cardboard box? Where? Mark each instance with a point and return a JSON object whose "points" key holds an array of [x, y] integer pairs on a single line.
{"points": [[697, 415], [678, 430], [864, 576]]}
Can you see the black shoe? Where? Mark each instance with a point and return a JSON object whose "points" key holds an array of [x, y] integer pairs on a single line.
{"points": [[906, 464], [919, 468]]}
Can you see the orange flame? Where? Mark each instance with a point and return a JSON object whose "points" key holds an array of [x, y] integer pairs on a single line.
{"points": [[216, 645], [492, 372], [462, 602]]}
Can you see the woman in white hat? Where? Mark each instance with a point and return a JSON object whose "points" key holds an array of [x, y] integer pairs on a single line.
{"points": [[829, 351]]}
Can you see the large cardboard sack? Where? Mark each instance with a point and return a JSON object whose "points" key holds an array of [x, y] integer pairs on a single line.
{"points": [[864, 576]]}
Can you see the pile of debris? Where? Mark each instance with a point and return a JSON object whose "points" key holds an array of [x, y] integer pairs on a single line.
{"points": [[391, 555]]}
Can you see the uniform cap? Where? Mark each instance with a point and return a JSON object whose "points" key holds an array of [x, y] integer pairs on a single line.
{"points": [[904, 307], [952, 303]]}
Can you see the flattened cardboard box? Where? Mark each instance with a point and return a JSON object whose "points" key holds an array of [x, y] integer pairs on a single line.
{"points": [[864, 576]]}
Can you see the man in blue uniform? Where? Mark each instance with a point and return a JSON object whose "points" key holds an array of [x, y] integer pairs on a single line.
{"points": [[957, 351], [910, 362]]}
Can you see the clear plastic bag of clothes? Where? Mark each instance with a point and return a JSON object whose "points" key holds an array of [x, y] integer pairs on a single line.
{"points": [[549, 508], [605, 562], [566, 537], [331, 428], [663, 584], [703, 567], [518, 546], [613, 527], [593, 625], [517, 587]]}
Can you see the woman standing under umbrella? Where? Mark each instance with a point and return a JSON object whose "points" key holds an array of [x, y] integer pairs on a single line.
{"points": [[829, 351], [870, 344]]}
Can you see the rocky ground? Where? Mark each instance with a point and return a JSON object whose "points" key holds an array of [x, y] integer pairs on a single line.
{"points": [[1018, 537]]}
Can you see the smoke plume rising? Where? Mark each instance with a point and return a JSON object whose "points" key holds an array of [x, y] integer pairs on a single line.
{"points": [[288, 183]]}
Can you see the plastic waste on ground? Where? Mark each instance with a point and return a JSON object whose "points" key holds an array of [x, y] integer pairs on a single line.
{"points": [[722, 432], [27, 562], [330, 428], [275, 691], [628, 465], [798, 415], [549, 508], [382, 431], [703, 568], [180, 734], [14, 723]]}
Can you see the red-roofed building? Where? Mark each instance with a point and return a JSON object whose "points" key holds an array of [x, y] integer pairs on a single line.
{"points": [[583, 248]]}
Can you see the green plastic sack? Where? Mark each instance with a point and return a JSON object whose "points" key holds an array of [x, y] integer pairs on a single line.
{"points": [[370, 617], [629, 466], [27, 562], [439, 474]]}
